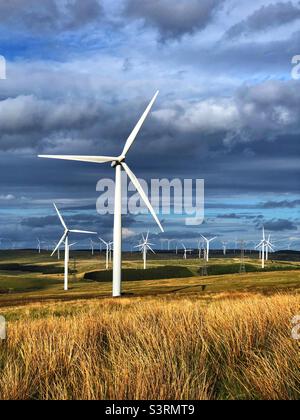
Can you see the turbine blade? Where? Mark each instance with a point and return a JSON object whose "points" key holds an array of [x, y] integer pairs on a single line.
{"points": [[60, 217], [137, 128], [204, 237], [150, 248], [140, 190], [82, 231], [94, 159], [212, 239], [105, 243], [59, 243]]}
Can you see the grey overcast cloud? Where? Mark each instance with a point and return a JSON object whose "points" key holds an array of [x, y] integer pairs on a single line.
{"points": [[80, 73]]}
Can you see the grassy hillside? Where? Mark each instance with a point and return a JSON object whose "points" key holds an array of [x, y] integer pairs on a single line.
{"points": [[235, 346]]}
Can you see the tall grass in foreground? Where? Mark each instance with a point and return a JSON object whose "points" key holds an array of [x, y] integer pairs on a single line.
{"points": [[155, 349]]}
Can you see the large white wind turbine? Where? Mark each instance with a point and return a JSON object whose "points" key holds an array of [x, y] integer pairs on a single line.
{"points": [[65, 239], [208, 241], [144, 246], [118, 162]]}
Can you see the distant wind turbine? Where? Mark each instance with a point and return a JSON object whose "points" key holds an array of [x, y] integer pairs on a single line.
{"points": [[118, 162], [65, 239], [208, 241], [263, 246], [144, 246], [224, 244], [184, 252], [269, 247], [108, 246], [38, 245]]}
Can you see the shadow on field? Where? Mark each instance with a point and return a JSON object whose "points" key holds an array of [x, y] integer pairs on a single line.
{"points": [[45, 269], [131, 274], [220, 269]]}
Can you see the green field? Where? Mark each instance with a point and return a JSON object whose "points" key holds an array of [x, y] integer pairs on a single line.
{"points": [[27, 276]]}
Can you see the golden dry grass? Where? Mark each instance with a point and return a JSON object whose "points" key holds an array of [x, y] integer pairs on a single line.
{"points": [[154, 348]]}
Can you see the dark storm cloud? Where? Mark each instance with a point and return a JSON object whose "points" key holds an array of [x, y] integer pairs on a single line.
{"points": [[280, 204], [75, 220], [48, 15], [172, 18], [279, 225], [255, 113], [229, 216], [266, 17]]}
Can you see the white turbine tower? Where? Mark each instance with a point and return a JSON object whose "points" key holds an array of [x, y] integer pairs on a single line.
{"points": [[224, 245], [38, 245], [199, 249], [144, 246], [263, 245], [108, 246], [92, 246], [118, 162], [184, 252], [269, 247], [65, 239], [208, 241]]}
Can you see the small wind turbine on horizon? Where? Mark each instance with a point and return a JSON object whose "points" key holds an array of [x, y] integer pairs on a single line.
{"points": [[108, 246], [224, 245], [264, 247], [144, 246], [118, 162], [269, 247], [38, 245], [92, 246], [65, 239], [185, 251], [208, 241]]}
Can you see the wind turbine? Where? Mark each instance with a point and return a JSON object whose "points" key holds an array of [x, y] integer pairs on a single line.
{"points": [[208, 241], [118, 162], [184, 252], [262, 246], [269, 247], [199, 249], [169, 241], [38, 245], [224, 244], [92, 246], [108, 246], [65, 239], [144, 246]]}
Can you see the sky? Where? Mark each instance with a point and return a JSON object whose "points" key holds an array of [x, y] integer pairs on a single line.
{"points": [[80, 73]]}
